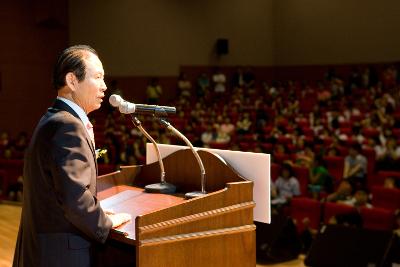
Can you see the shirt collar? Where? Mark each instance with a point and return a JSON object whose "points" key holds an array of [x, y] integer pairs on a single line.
{"points": [[81, 113]]}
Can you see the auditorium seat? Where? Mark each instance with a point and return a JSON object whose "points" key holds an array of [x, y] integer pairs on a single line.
{"points": [[302, 174], [346, 124], [284, 140], [301, 208], [350, 142], [382, 175], [345, 130], [335, 166], [332, 209], [370, 132], [343, 151], [388, 198], [377, 218], [396, 133], [370, 154], [267, 147], [308, 132], [275, 171], [246, 146], [13, 168], [281, 158], [328, 141], [216, 145], [303, 123], [3, 185]]}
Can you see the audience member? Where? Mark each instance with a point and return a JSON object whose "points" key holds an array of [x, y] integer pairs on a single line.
{"points": [[15, 190], [184, 85], [287, 186], [320, 180], [342, 193], [203, 84], [355, 166], [306, 156], [388, 156], [389, 182], [359, 200], [238, 78], [243, 124], [219, 80], [249, 79], [208, 136], [153, 91]]}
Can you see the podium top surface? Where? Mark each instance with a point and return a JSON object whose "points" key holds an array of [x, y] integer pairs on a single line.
{"points": [[136, 202]]}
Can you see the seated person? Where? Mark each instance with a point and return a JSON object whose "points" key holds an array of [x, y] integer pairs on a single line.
{"points": [[389, 182], [203, 83], [219, 80], [15, 190], [355, 166], [342, 193], [243, 124], [360, 199], [305, 157], [184, 85], [320, 180], [388, 156], [286, 186]]}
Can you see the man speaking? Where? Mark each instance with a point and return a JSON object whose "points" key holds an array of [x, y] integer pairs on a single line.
{"points": [[61, 217]]}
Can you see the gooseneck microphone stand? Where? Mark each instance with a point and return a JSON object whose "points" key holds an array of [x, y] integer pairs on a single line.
{"points": [[202, 170], [161, 187]]}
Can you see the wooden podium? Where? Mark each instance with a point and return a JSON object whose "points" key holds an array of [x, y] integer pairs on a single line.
{"points": [[167, 230]]}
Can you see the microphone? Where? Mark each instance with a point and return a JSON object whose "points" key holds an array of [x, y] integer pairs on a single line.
{"points": [[196, 155], [126, 107]]}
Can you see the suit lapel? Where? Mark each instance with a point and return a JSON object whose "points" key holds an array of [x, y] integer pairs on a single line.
{"points": [[59, 105]]}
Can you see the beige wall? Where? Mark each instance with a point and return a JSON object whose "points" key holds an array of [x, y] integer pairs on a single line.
{"points": [[155, 37], [335, 32]]}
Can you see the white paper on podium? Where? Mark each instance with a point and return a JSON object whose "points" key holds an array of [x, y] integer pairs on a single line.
{"points": [[253, 166]]}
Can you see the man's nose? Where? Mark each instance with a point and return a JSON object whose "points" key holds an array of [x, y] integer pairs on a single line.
{"points": [[104, 86]]}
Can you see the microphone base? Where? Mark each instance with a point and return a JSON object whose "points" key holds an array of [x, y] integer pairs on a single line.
{"points": [[162, 188], [194, 194]]}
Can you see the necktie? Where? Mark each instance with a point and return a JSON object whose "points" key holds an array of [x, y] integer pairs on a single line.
{"points": [[89, 128]]}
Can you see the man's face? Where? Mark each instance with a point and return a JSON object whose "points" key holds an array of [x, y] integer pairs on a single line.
{"points": [[89, 93]]}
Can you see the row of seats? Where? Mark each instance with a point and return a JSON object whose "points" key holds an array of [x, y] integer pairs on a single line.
{"points": [[335, 166], [318, 213], [10, 170]]}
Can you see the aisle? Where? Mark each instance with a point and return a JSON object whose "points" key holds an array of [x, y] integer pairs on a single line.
{"points": [[9, 223]]}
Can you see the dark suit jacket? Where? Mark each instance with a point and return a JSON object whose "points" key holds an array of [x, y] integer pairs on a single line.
{"points": [[61, 216]]}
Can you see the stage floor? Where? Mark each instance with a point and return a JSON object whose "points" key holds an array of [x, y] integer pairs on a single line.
{"points": [[9, 223]]}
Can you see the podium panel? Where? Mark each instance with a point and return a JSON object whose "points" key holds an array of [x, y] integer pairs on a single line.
{"points": [[166, 230]]}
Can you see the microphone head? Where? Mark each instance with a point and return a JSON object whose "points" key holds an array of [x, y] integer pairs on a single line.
{"points": [[126, 107], [115, 100]]}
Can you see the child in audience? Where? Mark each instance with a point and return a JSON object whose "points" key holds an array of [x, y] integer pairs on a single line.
{"points": [[359, 200]]}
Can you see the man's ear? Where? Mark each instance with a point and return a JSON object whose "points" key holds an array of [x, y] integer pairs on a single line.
{"points": [[71, 81]]}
